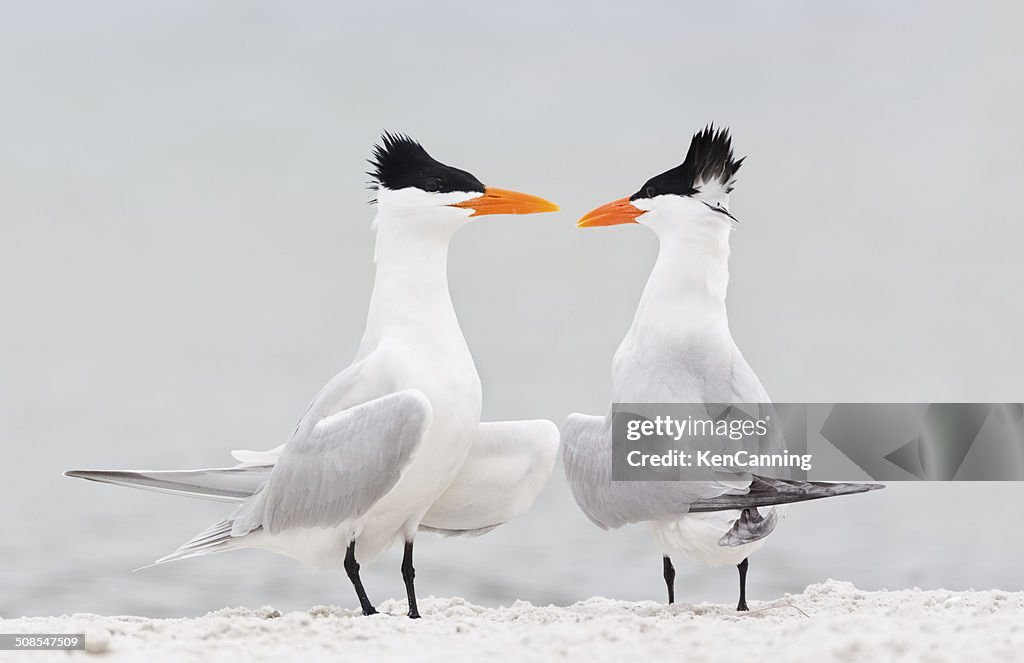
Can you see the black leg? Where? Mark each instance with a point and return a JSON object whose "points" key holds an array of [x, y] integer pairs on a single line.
{"points": [[670, 580], [409, 575], [742, 605], [352, 569]]}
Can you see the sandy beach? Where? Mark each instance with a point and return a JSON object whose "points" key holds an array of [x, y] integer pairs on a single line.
{"points": [[832, 620]]}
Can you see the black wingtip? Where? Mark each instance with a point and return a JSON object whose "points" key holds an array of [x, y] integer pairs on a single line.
{"points": [[768, 491], [91, 475]]}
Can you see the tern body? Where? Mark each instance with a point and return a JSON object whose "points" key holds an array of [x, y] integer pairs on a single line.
{"points": [[679, 350], [393, 443], [413, 342]]}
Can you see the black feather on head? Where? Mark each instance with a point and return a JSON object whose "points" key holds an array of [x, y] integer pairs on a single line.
{"points": [[399, 162], [708, 161]]}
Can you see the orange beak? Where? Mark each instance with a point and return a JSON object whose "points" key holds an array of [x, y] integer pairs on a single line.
{"points": [[611, 214], [503, 201]]}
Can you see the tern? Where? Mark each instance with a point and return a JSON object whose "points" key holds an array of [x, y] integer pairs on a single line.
{"points": [[394, 443], [679, 350]]}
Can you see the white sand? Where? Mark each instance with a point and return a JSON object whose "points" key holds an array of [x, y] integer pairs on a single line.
{"points": [[832, 620]]}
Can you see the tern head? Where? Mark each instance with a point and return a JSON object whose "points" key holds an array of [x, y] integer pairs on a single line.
{"points": [[696, 191], [414, 185]]}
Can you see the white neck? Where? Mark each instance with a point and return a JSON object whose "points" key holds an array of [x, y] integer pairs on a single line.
{"points": [[410, 299], [685, 294], [679, 348]]}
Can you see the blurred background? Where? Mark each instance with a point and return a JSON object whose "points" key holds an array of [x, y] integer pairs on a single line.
{"points": [[185, 258]]}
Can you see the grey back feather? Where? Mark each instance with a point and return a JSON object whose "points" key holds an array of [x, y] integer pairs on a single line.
{"points": [[587, 458], [227, 484], [343, 466]]}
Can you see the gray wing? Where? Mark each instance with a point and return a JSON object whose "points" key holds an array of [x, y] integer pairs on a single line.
{"points": [[236, 484], [341, 467], [507, 466], [769, 491], [344, 390], [587, 457], [226, 484]]}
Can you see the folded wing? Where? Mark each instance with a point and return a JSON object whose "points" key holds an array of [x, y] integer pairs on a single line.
{"points": [[769, 491], [507, 466], [225, 484], [345, 464], [587, 457]]}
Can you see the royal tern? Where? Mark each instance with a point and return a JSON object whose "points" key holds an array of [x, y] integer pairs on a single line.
{"points": [[679, 350], [393, 443]]}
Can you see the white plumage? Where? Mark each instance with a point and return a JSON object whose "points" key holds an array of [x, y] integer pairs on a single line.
{"points": [[679, 350], [395, 440]]}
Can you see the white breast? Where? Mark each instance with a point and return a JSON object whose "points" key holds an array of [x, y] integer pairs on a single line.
{"points": [[695, 536]]}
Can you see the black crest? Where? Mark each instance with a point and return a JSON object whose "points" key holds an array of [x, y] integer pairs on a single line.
{"points": [[708, 161], [400, 162]]}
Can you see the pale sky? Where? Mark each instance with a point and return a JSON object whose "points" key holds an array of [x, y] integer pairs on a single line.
{"points": [[185, 253]]}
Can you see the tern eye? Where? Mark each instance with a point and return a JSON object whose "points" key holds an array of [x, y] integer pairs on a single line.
{"points": [[650, 191], [432, 184]]}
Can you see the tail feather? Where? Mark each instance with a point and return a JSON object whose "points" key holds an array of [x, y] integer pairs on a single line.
{"points": [[214, 539], [765, 491], [229, 484]]}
